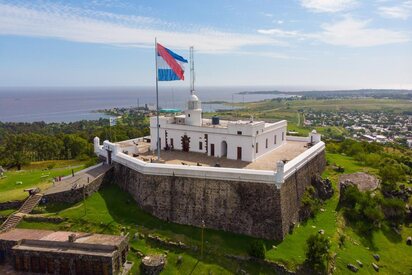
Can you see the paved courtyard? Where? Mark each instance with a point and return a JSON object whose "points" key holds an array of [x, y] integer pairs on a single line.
{"points": [[266, 162]]}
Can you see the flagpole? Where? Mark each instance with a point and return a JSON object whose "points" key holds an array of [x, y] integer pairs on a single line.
{"points": [[157, 104]]}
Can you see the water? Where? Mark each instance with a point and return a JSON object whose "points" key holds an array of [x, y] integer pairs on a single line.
{"points": [[73, 104]]}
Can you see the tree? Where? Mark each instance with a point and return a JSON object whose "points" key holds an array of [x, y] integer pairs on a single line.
{"points": [[317, 252], [257, 249], [391, 173]]}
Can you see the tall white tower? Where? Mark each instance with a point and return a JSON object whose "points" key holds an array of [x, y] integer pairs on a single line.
{"points": [[194, 106]]}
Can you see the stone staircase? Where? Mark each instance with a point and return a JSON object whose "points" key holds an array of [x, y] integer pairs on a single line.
{"points": [[30, 203], [14, 219]]}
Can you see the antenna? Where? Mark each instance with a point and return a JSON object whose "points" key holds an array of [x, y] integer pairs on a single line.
{"points": [[192, 71]]}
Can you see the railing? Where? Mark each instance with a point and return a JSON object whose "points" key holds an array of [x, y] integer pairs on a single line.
{"points": [[206, 172]]}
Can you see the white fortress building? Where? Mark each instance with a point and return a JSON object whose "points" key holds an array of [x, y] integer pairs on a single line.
{"points": [[236, 140]]}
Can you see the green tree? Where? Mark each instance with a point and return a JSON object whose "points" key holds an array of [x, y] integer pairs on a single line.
{"points": [[257, 249], [317, 252]]}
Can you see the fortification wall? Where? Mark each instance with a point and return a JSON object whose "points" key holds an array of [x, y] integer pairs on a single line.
{"points": [[258, 203], [241, 207], [76, 195], [292, 189]]}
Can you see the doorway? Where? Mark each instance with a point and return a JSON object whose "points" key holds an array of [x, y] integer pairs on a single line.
{"points": [[185, 143], [223, 150], [212, 149], [239, 153]]}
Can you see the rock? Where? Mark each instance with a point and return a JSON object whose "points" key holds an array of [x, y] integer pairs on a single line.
{"points": [[152, 264], [179, 260], [377, 257], [139, 254], [321, 231], [409, 240], [323, 188], [352, 268], [274, 247], [376, 267], [359, 263]]}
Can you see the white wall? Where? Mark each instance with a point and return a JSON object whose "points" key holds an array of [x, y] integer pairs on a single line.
{"points": [[231, 174]]}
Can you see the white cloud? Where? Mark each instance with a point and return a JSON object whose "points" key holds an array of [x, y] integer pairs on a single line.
{"points": [[356, 33], [328, 5], [88, 26], [402, 11], [347, 32], [278, 32]]}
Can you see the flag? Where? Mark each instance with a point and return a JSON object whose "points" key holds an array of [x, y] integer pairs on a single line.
{"points": [[169, 65]]}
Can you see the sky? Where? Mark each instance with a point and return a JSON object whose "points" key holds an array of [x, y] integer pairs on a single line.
{"points": [[309, 44]]}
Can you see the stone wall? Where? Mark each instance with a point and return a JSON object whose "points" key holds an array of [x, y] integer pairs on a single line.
{"points": [[11, 205], [293, 188], [255, 209], [241, 207], [76, 195]]}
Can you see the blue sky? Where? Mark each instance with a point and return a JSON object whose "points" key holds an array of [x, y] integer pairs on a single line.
{"points": [[284, 43]]}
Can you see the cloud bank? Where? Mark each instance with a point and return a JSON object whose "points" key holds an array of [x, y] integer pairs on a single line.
{"points": [[88, 26]]}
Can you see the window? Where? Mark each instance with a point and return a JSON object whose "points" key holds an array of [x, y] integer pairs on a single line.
{"points": [[257, 147], [283, 136], [257, 132], [188, 115], [239, 132], [200, 145], [266, 143], [274, 139]]}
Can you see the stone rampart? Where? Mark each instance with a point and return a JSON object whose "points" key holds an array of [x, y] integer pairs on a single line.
{"points": [[262, 204], [76, 195], [242, 207], [292, 189]]}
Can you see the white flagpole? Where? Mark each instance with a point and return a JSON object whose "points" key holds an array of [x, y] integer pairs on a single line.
{"points": [[157, 104]]}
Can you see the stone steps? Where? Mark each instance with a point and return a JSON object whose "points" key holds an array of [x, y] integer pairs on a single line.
{"points": [[30, 203], [13, 220]]}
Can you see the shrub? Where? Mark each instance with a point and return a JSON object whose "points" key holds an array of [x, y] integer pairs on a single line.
{"points": [[257, 249], [394, 210], [317, 252], [310, 202]]}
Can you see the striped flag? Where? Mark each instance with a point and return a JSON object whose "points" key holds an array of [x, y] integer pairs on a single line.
{"points": [[170, 65]]}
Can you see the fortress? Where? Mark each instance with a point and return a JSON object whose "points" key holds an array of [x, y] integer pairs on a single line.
{"points": [[246, 177]]}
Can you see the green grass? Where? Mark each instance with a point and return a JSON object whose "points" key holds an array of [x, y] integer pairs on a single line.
{"points": [[34, 175], [110, 209], [396, 256]]}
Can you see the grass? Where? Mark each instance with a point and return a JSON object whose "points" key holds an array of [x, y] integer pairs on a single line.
{"points": [[111, 209], [34, 175], [396, 256]]}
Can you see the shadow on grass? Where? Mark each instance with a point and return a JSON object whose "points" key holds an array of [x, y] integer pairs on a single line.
{"points": [[391, 235], [124, 210]]}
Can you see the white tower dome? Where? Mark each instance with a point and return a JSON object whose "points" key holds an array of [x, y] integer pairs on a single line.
{"points": [[194, 111]]}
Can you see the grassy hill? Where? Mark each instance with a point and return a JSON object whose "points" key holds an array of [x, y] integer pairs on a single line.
{"points": [[110, 210]]}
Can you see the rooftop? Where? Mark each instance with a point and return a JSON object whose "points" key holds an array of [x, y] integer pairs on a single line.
{"points": [[286, 152], [60, 236]]}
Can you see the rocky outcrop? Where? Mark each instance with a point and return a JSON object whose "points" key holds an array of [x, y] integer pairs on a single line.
{"points": [[323, 188]]}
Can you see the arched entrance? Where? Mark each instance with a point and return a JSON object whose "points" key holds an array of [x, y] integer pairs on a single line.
{"points": [[223, 149], [185, 143]]}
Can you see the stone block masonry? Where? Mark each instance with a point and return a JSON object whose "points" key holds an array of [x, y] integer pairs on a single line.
{"points": [[256, 209]]}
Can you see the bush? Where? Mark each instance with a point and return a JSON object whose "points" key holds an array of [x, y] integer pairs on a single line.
{"points": [[317, 252], [257, 249], [310, 202], [394, 210]]}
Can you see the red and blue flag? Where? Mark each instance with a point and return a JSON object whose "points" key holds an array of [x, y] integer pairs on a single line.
{"points": [[170, 65]]}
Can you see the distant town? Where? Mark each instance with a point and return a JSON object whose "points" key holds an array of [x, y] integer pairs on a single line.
{"points": [[381, 127]]}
